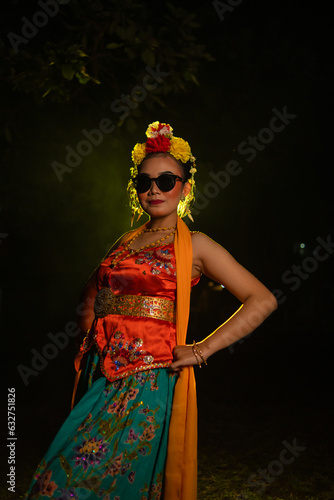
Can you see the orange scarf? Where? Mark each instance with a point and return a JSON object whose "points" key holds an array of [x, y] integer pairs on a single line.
{"points": [[181, 467]]}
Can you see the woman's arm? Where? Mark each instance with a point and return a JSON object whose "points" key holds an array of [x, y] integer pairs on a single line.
{"points": [[257, 301], [85, 308]]}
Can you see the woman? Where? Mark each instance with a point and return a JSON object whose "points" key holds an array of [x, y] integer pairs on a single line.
{"points": [[133, 433]]}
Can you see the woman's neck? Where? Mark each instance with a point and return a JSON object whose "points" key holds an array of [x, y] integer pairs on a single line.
{"points": [[162, 222]]}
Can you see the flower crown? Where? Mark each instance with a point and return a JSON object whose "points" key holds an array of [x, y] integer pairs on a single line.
{"points": [[160, 139]]}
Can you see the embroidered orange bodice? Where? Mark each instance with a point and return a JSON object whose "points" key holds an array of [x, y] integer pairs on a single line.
{"points": [[125, 342]]}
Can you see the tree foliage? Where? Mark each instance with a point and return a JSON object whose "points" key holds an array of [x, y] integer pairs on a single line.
{"points": [[93, 44]]}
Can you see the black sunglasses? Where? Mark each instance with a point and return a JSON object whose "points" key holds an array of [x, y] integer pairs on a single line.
{"points": [[165, 182]]}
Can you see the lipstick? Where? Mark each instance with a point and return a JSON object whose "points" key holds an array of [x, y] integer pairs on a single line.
{"points": [[156, 202]]}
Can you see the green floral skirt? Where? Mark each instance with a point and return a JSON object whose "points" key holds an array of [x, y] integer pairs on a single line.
{"points": [[113, 445]]}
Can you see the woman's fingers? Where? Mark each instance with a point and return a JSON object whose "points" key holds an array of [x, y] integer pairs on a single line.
{"points": [[183, 355], [175, 369]]}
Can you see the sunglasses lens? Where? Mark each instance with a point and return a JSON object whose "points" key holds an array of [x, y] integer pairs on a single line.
{"points": [[166, 182], [142, 183]]}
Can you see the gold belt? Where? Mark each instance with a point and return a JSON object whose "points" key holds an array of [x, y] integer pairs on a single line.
{"points": [[106, 302]]}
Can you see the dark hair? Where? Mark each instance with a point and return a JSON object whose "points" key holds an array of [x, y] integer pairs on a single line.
{"points": [[185, 167]]}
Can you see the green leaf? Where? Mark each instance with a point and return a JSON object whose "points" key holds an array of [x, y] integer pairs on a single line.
{"points": [[148, 57], [121, 32], [82, 79], [46, 93], [171, 7], [81, 53], [114, 45], [68, 71], [130, 32], [130, 53], [194, 79]]}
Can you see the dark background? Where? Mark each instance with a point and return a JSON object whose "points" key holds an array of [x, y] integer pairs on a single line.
{"points": [[276, 384]]}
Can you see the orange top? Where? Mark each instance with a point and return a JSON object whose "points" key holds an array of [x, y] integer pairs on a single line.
{"points": [[127, 343]]}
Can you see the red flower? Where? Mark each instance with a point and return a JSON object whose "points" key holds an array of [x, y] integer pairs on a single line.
{"points": [[158, 144]]}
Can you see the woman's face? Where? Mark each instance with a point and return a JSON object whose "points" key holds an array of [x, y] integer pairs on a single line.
{"points": [[155, 202]]}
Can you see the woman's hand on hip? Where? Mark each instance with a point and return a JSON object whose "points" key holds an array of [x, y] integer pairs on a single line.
{"points": [[183, 355]]}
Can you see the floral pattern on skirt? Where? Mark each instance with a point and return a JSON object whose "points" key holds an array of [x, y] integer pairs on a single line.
{"points": [[113, 445]]}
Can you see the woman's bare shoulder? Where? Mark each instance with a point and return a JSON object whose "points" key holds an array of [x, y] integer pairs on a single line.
{"points": [[204, 248], [200, 239]]}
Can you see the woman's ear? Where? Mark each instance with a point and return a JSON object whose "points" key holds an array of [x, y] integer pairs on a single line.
{"points": [[186, 189]]}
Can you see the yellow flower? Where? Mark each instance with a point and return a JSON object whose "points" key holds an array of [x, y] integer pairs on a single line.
{"points": [[180, 149], [138, 153]]}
